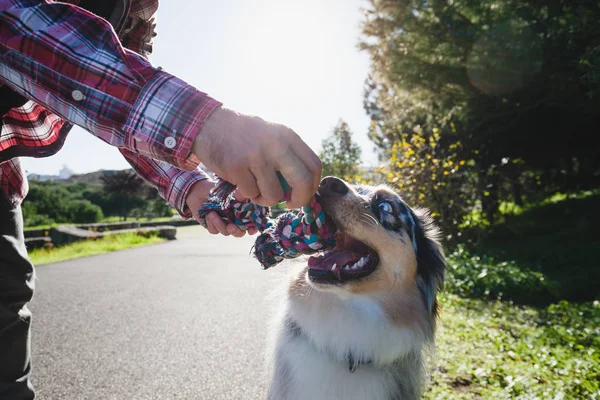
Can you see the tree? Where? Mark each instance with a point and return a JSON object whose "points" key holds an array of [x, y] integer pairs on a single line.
{"points": [[83, 211], [428, 175], [125, 191], [157, 206], [57, 202], [514, 82], [340, 155]]}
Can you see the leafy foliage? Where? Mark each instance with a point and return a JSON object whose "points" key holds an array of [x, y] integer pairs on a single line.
{"points": [[122, 181], [544, 253], [48, 202], [340, 154], [52, 202], [510, 87], [428, 174], [83, 211], [125, 192], [484, 277], [559, 238]]}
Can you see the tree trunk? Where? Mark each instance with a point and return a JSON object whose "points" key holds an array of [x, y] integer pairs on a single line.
{"points": [[517, 192]]}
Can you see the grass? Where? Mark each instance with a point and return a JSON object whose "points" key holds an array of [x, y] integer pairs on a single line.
{"points": [[506, 331], [497, 350], [92, 247]]}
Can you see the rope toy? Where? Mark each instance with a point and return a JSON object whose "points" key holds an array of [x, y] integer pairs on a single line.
{"points": [[290, 235]]}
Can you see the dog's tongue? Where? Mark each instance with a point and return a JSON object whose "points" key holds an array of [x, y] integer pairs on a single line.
{"points": [[326, 262]]}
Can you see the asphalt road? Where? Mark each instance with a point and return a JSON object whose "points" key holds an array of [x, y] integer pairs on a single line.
{"points": [[180, 320]]}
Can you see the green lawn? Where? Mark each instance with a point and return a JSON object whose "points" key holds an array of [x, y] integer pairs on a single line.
{"points": [[91, 247], [506, 330], [496, 350]]}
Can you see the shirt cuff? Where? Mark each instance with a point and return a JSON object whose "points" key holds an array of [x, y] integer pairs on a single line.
{"points": [[166, 118], [179, 188]]}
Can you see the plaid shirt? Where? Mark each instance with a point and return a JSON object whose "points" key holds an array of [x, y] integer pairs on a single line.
{"points": [[76, 71]]}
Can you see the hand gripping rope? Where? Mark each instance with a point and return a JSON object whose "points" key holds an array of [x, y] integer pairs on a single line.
{"points": [[290, 235]]}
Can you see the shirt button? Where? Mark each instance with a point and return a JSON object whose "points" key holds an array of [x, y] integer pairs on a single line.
{"points": [[77, 95], [170, 142]]}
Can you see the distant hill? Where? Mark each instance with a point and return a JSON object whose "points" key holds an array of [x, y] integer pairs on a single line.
{"points": [[90, 177]]}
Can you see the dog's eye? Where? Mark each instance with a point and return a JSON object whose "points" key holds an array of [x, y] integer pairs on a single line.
{"points": [[385, 207]]}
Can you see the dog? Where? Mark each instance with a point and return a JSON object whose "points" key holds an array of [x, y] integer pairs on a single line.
{"points": [[355, 322]]}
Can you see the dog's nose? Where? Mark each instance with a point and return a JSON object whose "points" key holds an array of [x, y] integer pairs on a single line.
{"points": [[333, 186]]}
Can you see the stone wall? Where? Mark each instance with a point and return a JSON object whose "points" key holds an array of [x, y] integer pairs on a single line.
{"points": [[62, 235]]}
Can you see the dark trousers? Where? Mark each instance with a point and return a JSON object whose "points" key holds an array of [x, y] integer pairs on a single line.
{"points": [[16, 289]]}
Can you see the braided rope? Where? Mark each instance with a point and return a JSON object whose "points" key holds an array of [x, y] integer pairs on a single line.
{"points": [[290, 235]]}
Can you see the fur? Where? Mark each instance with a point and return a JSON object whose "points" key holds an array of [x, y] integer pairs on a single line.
{"points": [[381, 323]]}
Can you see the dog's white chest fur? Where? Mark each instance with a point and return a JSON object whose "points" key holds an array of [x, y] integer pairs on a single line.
{"points": [[316, 376], [312, 342]]}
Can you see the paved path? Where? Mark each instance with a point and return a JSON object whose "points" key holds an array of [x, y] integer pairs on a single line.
{"points": [[180, 320]]}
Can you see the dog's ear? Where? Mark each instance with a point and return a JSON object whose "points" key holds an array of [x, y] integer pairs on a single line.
{"points": [[431, 262]]}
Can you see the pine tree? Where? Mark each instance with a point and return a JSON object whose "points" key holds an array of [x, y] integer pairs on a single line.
{"points": [[340, 154]]}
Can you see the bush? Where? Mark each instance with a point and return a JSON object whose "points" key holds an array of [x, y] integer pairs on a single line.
{"points": [[483, 277], [560, 239], [83, 202], [83, 211], [432, 176], [49, 199], [37, 220]]}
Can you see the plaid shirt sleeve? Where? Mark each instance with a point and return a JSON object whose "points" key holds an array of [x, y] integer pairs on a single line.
{"points": [[140, 30], [73, 63], [13, 182]]}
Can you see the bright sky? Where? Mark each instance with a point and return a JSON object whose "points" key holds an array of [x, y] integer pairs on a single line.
{"points": [[289, 61]]}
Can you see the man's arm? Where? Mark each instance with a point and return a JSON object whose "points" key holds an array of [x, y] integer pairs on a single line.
{"points": [[72, 62], [186, 191]]}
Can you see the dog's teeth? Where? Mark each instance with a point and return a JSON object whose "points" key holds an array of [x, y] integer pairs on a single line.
{"points": [[347, 268], [361, 263], [355, 266], [333, 266]]}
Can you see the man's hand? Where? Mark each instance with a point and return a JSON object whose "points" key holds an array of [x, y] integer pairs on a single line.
{"points": [[198, 195], [248, 151]]}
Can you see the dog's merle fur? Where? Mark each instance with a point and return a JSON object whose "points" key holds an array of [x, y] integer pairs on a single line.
{"points": [[382, 332]]}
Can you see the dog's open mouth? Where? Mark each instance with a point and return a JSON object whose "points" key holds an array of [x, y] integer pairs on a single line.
{"points": [[349, 259]]}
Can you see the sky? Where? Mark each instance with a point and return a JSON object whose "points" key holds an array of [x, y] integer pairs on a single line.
{"points": [[288, 61]]}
